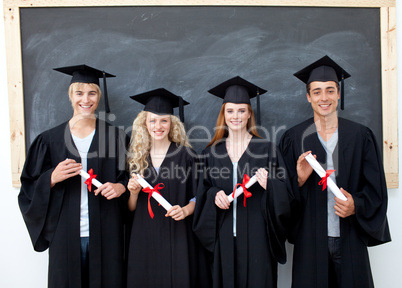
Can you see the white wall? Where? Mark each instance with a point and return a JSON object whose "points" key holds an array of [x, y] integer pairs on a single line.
{"points": [[20, 266]]}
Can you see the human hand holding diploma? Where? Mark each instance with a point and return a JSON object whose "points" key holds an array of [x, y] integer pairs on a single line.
{"points": [[325, 177], [154, 193], [247, 183], [108, 190]]}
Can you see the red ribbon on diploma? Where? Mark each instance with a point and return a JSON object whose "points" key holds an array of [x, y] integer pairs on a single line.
{"points": [[247, 194], [150, 191], [324, 179], [89, 180]]}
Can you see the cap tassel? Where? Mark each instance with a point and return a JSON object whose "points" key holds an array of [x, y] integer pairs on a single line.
{"points": [[107, 109], [342, 93], [258, 109], [181, 108]]}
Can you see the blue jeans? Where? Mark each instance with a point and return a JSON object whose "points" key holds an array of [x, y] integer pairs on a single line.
{"points": [[84, 262], [334, 262]]}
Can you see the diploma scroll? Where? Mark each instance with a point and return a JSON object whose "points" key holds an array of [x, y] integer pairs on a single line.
{"points": [[86, 176], [239, 190], [159, 198], [322, 173]]}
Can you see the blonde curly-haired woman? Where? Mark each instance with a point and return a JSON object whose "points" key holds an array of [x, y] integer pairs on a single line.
{"points": [[163, 251]]}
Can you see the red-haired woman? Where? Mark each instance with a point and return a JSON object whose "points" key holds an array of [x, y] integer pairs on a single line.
{"points": [[247, 236]]}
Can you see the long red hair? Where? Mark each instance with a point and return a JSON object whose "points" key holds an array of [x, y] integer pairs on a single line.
{"points": [[221, 129]]}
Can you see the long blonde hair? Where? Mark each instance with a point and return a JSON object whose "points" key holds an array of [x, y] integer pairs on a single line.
{"points": [[221, 129], [140, 142]]}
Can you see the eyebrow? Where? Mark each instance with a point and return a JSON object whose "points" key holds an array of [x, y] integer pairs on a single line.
{"points": [[230, 108], [82, 91], [326, 88], [164, 118]]}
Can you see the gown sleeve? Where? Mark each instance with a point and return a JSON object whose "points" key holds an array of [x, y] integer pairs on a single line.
{"points": [[289, 151], [123, 144], [277, 208], [39, 204], [371, 199], [122, 174], [192, 162], [205, 213]]}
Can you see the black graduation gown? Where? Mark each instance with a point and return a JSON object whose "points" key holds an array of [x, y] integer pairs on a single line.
{"points": [[52, 215], [164, 252], [261, 225], [359, 170]]}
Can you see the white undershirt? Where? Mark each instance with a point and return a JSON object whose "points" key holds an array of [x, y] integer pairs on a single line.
{"points": [[234, 200], [333, 219], [83, 145]]}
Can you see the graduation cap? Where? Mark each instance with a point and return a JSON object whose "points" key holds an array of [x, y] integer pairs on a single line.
{"points": [[323, 70], [161, 101], [238, 90], [85, 74]]}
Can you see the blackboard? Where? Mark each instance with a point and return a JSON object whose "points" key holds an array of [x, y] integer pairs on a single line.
{"points": [[189, 50], [190, 46]]}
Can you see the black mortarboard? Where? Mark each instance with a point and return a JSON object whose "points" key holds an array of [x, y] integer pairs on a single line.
{"points": [[237, 90], [161, 101], [86, 74], [323, 70]]}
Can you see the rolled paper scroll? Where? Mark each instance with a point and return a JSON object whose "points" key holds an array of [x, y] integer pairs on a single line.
{"points": [[240, 191], [323, 174], [158, 197], [90, 179]]}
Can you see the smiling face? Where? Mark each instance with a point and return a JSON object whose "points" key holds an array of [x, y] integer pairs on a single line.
{"points": [[236, 116], [323, 97], [158, 126], [84, 98]]}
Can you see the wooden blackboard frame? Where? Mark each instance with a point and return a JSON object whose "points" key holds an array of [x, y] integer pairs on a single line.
{"points": [[388, 64]]}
